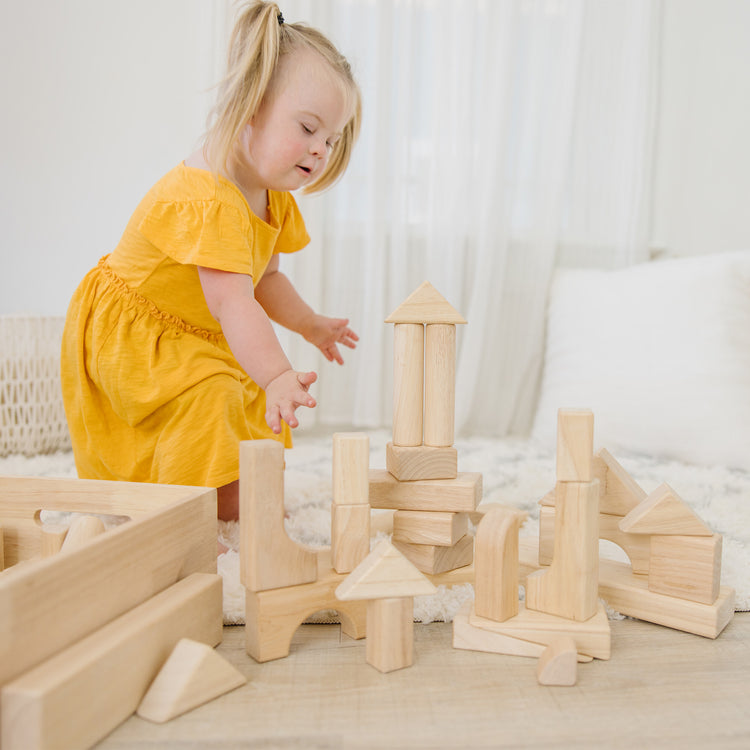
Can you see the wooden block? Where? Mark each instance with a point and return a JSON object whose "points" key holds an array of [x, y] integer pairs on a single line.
{"points": [[664, 512], [390, 633], [431, 559], [421, 462], [269, 559], [468, 637], [351, 465], [439, 384], [53, 536], [496, 564], [628, 593], [82, 693], [350, 536], [636, 546], [619, 492], [171, 535], [558, 665], [408, 383], [425, 305], [688, 567], [193, 674], [591, 637], [568, 588], [575, 445], [273, 616], [384, 573], [459, 495], [441, 528], [2, 550], [81, 530]]}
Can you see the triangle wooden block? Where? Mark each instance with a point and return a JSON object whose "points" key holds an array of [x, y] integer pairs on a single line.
{"points": [[664, 513], [384, 573], [192, 675], [425, 305]]}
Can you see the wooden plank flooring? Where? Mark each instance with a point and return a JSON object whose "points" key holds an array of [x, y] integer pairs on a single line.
{"points": [[661, 689]]}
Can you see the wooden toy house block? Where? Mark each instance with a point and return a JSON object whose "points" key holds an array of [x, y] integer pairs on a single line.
{"points": [[193, 674], [389, 583], [269, 559], [424, 367], [82, 590]]}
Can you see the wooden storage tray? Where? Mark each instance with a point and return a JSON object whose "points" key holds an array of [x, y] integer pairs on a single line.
{"points": [[48, 604]]}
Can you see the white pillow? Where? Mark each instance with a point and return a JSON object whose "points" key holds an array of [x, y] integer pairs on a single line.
{"points": [[660, 352]]}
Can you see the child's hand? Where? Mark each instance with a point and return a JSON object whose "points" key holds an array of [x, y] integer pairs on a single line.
{"points": [[284, 394], [326, 333]]}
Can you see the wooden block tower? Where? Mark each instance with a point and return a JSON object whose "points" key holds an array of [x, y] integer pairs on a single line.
{"points": [[422, 483]]}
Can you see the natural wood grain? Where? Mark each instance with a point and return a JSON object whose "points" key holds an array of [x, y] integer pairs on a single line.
{"points": [[390, 633], [575, 445], [459, 495], [425, 305], [429, 527], [79, 695], [558, 664], [324, 695], [351, 464], [81, 530], [269, 559], [407, 463], [433, 559], [439, 385], [408, 383], [350, 536], [664, 512]]}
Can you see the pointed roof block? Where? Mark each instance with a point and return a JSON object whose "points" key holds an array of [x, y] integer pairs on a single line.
{"points": [[192, 675], [425, 305], [663, 512], [384, 573]]}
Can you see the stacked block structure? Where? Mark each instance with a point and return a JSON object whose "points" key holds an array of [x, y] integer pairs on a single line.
{"points": [[431, 498]]}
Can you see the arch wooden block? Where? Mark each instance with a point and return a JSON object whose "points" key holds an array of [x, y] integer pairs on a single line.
{"points": [[496, 564], [440, 384], [568, 588], [269, 559], [273, 616], [408, 383], [81, 530], [558, 665], [351, 465], [575, 445], [193, 674]]}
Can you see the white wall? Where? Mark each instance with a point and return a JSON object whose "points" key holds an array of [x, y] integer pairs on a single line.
{"points": [[100, 98], [702, 175]]}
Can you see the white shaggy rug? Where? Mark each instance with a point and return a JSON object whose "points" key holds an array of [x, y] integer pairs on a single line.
{"points": [[516, 472]]}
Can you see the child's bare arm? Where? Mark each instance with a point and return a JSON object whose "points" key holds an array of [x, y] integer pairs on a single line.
{"points": [[283, 304], [251, 338]]}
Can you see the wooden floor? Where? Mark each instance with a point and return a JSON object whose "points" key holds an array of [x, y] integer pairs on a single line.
{"points": [[661, 689]]}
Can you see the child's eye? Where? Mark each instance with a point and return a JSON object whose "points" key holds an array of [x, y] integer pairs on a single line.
{"points": [[307, 130]]}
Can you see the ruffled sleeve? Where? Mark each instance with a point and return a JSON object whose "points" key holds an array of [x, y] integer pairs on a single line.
{"points": [[208, 233], [293, 234]]}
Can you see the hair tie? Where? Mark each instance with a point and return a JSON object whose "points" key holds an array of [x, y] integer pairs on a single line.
{"points": [[280, 18]]}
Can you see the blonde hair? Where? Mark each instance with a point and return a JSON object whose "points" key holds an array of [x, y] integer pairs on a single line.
{"points": [[259, 40]]}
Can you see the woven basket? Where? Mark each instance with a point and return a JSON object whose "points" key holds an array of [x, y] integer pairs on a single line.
{"points": [[32, 418]]}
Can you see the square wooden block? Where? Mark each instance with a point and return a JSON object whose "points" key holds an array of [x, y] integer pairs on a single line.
{"points": [[421, 462]]}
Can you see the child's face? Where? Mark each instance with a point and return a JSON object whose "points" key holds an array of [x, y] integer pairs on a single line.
{"points": [[289, 141]]}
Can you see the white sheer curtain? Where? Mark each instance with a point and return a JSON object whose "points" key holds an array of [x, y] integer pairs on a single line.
{"points": [[501, 138]]}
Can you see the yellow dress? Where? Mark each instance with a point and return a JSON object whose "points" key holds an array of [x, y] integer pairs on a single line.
{"points": [[152, 391]]}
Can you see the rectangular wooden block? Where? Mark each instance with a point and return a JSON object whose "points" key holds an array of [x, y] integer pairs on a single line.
{"points": [[575, 445], [390, 633], [629, 595], [81, 694], [441, 528], [688, 567], [421, 462], [350, 536], [51, 603], [459, 495], [351, 465], [432, 559]]}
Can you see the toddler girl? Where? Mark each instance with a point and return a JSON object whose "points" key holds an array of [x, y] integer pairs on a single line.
{"points": [[169, 358]]}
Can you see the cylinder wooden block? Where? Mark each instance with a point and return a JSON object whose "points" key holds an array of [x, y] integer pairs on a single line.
{"points": [[408, 383], [81, 531], [440, 384]]}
